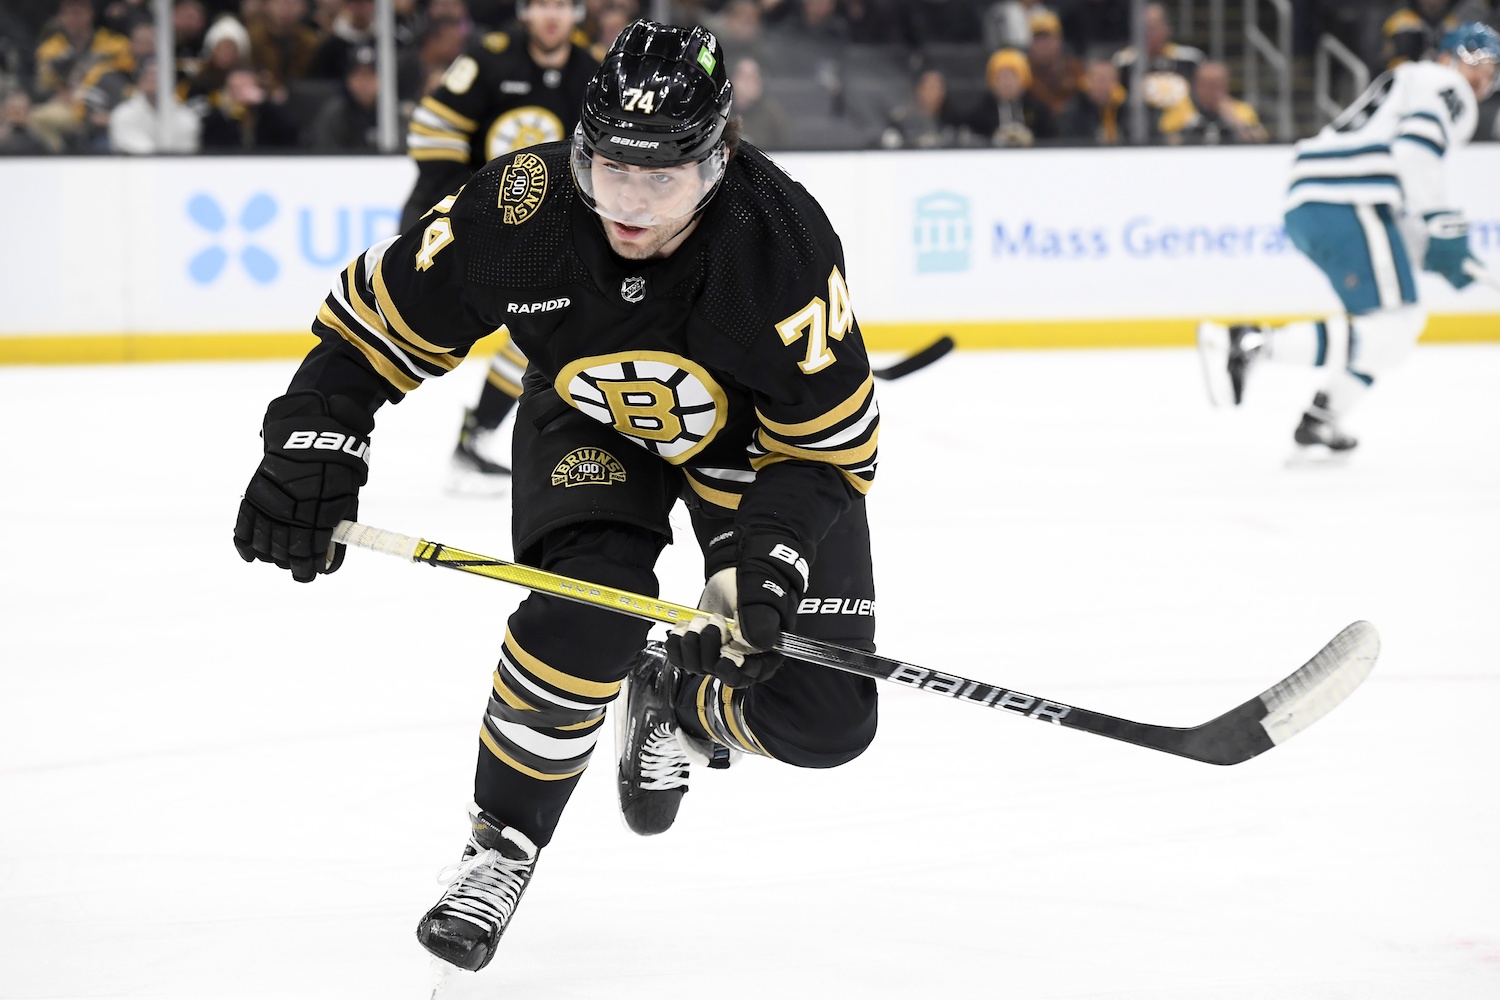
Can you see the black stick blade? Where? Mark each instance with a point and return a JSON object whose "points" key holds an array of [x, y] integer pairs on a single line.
{"points": [[919, 360]]}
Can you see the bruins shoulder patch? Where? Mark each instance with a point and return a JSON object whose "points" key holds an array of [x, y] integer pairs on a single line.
{"points": [[588, 467], [523, 185]]}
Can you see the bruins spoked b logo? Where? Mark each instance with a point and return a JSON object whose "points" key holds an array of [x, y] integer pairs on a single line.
{"points": [[588, 467], [522, 187]]}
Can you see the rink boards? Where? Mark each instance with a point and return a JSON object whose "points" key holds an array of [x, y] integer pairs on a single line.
{"points": [[114, 259]]}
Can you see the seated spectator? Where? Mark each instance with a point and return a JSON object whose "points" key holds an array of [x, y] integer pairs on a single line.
{"points": [[242, 117], [1009, 115], [1055, 72], [134, 125], [107, 85], [739, 27], [1095, 27], [17, 136], [346, 124], [817, 22], [765, 120], [226, 45], [611, 19], [1212, 117], [1093, 116], [353, 29], [189, 23], [1168, 68], [926, 121], [69, 59], [1413, 32], [420, 69], [282, 44], [872, 22], [928, 22], [1007, 24]]}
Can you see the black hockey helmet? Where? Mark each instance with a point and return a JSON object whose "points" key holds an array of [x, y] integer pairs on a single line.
{"points": [[660, 98]]}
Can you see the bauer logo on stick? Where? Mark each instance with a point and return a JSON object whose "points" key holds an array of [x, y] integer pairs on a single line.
{"points": [[588, 467]]}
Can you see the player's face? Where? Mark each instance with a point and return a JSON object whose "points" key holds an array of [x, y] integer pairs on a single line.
{"points": [[1481, 76], [645, 208], [550, 23]]}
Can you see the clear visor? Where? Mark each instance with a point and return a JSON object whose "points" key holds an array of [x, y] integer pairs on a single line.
{"points": [[646, 196]]}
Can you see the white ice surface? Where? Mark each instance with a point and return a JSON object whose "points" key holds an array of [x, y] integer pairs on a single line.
{"points": [[217, 783]]}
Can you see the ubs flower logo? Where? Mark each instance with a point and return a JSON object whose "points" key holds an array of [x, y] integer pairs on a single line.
{"points": [[209, 263]]}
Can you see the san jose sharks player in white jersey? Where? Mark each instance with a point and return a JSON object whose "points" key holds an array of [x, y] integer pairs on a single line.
{"points": [[1368, 196]]}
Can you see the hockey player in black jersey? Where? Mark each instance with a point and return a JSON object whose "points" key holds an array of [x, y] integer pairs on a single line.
{"points": [[684, 308], [509, 90]]}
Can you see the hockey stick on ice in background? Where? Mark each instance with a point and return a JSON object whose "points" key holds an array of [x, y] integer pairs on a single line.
{"points": [[1270, 718], [917, 361], [1478, 272]]}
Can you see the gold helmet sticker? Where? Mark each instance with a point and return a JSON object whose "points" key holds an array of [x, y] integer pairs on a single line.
{"points": [[523, 185], [588, 467]]}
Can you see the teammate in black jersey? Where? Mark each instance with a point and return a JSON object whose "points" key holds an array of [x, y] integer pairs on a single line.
{"points": [[506, 92], [684, 307]]}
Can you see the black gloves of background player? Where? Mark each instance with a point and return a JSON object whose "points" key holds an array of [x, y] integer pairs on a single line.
{"points": [[761, 592], [309, 481]]}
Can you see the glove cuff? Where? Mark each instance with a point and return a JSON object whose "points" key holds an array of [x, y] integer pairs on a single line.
{"points": [[307, 426], [779, 553]]}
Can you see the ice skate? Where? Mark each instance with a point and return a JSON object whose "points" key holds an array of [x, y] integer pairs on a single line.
{"points": [[1319, 438], [1227, 352], [484, 888], [655, 755], [478, 465]]}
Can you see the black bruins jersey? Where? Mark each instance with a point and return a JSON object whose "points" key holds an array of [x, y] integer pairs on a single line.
{"points": [[493, 100], [737, 359]]}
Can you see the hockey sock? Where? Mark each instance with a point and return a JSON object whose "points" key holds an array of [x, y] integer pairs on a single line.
{"points": [[493, 406], [1308, 344], [1344, 390]]}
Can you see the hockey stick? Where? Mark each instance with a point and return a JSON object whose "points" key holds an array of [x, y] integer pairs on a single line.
{"points": [[917, 361], [1270, 718], [1475, 270]]}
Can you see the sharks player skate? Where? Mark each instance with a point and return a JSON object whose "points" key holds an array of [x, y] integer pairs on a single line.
{"points": [[683, 307], [1368, 198]]}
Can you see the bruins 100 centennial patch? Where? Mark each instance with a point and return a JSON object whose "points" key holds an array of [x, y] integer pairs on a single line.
{"points": [[588, 467], [523, 184]]}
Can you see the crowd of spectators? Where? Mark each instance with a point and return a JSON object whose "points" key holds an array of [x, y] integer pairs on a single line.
{"points": [[282, 75]]}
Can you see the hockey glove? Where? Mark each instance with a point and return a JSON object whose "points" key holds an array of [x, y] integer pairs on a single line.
{"points": [[761, 592], [308, 481], [1448, 247]]}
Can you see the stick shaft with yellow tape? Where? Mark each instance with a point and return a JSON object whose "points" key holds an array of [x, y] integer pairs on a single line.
{"points": [[1265, 721]]}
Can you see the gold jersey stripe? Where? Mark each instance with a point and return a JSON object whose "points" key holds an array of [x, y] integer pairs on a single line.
{"points": [[369, 314], [442, 357], [457, 156], [558, 679], [382, 364], [729, 501], [433, 132], [448, 114], [860, 481], [858, 455], [737, 724], [503, 691], [844, 410], [509, 761], [504, 384]]}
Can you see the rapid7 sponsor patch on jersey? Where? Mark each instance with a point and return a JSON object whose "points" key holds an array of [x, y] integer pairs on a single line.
{"points": [[835, 606]]}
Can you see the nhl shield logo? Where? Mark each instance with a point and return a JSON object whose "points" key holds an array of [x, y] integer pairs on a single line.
{"points": [[588, 467], [633, 289], [523, 184]]}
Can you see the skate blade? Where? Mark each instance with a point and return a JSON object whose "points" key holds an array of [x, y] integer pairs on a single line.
{"points": [[473, 483], [1213, 355], [1315, 456]]}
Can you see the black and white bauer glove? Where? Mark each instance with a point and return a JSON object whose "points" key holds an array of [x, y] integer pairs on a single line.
{"points": [[316, 460], [760, 592]]}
